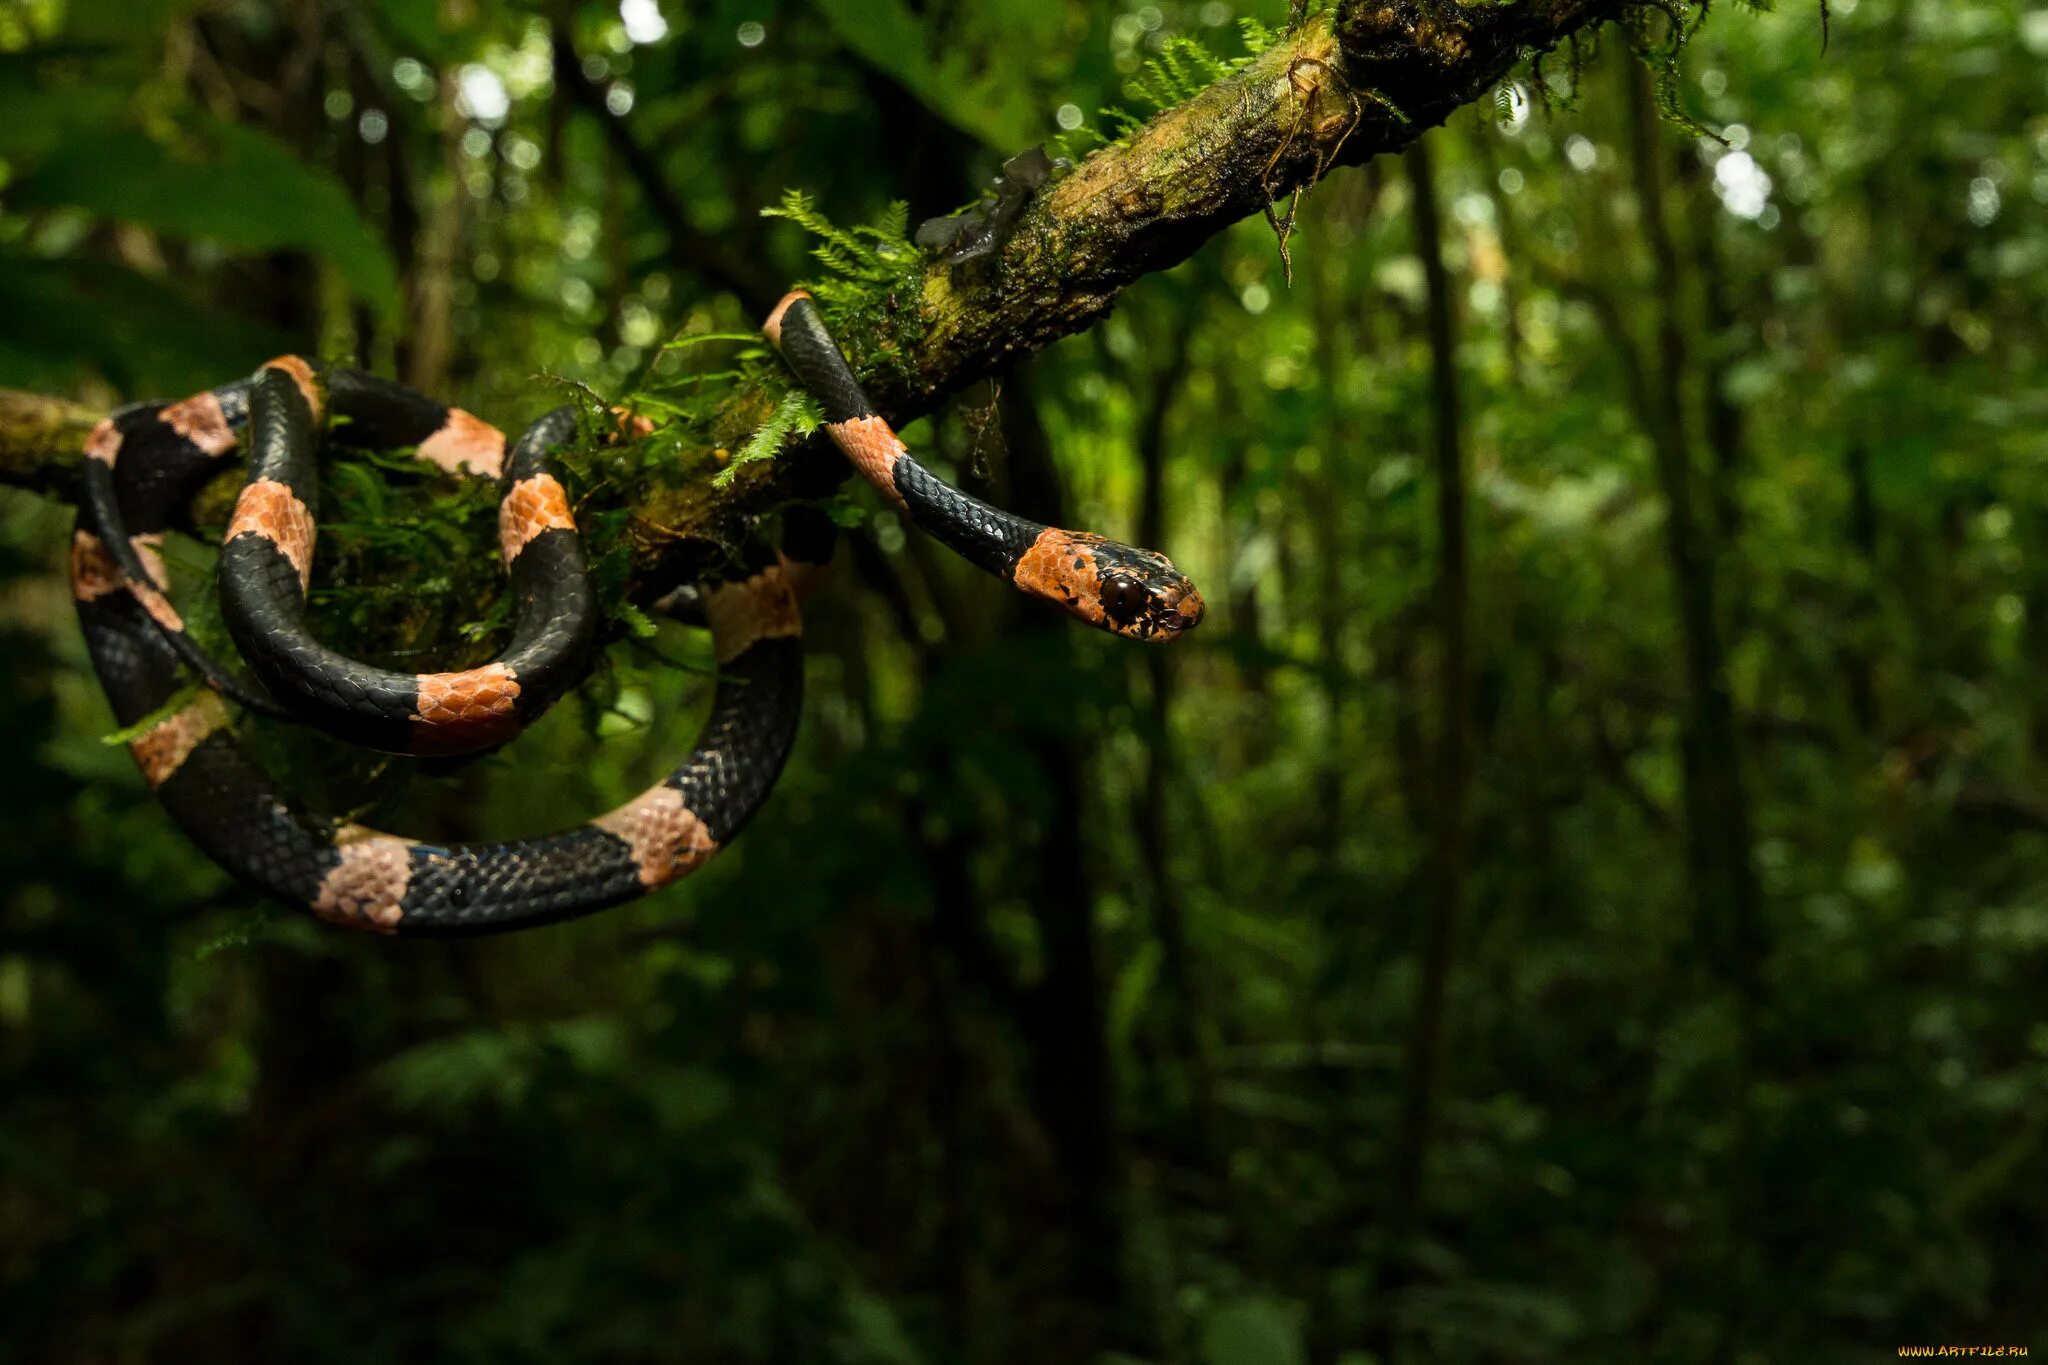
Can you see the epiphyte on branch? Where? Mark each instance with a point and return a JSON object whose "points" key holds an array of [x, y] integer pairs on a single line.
{"points": [[981, 230]]}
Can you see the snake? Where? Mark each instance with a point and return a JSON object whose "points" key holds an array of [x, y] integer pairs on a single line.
{"points": [[1105, 583], [267, 555], [146, 463]]}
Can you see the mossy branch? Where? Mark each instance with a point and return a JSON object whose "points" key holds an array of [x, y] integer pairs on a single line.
{"points": [[1362, 78], [42, 440]]}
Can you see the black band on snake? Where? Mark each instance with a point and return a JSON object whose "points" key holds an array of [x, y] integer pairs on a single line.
{"points": [[267, 561], [148, 462], [267, 554]]}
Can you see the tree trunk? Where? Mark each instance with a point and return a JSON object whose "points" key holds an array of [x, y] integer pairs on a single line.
{"points": [[1422, 1077], [430, 341], [1154, 826], [1717, 819], [1065, 1020], [1717, 811]]}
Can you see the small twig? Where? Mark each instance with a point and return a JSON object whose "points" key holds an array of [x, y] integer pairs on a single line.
{"points": [[1283, 227], [979, 424]]}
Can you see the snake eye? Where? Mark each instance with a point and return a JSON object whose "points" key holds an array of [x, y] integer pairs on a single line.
{"points": [[1124, 600]]}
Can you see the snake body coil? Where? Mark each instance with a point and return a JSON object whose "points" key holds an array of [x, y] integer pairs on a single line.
{"points": [[267, 561], [145, 465]]}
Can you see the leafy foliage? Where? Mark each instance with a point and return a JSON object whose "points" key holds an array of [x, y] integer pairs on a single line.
{"points": [[1184, 68], [1060, 1006], [213, 182], [873, 253], [797, 415], [955, 81]]}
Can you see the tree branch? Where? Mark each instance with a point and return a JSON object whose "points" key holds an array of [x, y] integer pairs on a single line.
{"points": [[1367, 77], [42, 440]]}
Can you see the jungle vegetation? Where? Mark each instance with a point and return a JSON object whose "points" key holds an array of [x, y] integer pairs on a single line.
{"points": [[1581, 895]]}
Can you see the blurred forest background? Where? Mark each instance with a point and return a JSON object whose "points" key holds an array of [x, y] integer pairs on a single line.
{"points": [[1583, 893]]}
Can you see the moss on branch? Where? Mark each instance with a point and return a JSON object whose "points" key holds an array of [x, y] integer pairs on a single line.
{"points": [[42, 439]]}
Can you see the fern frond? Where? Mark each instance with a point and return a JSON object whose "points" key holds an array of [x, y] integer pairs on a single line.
{"points": [[892, 228], [1194, 66], [1122, 122], [1683, 21], [637, 622], [873, 253], [1182, 70], [797, 415], [1075, 146], [799, 209]]}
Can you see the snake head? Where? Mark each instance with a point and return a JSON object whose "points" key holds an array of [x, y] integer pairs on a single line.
{"points": [[1145, 597], [1119, 588]]}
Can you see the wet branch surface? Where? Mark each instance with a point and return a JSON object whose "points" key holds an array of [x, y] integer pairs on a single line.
{"points": [[1365, 78]]}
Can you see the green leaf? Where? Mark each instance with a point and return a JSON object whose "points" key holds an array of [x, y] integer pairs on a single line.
{"points": [[1252, 1331], [990, 105], [637, 622], [878, 1334], [845, 513], [1128, 995], [144, 334], [221, 183], [415, 26], [36, 115], [699, 338], [176, 702], [134, 22]]}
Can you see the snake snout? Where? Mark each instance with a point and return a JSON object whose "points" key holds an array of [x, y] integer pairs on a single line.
{"points": [[1179, 608], [1156, 602]]}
